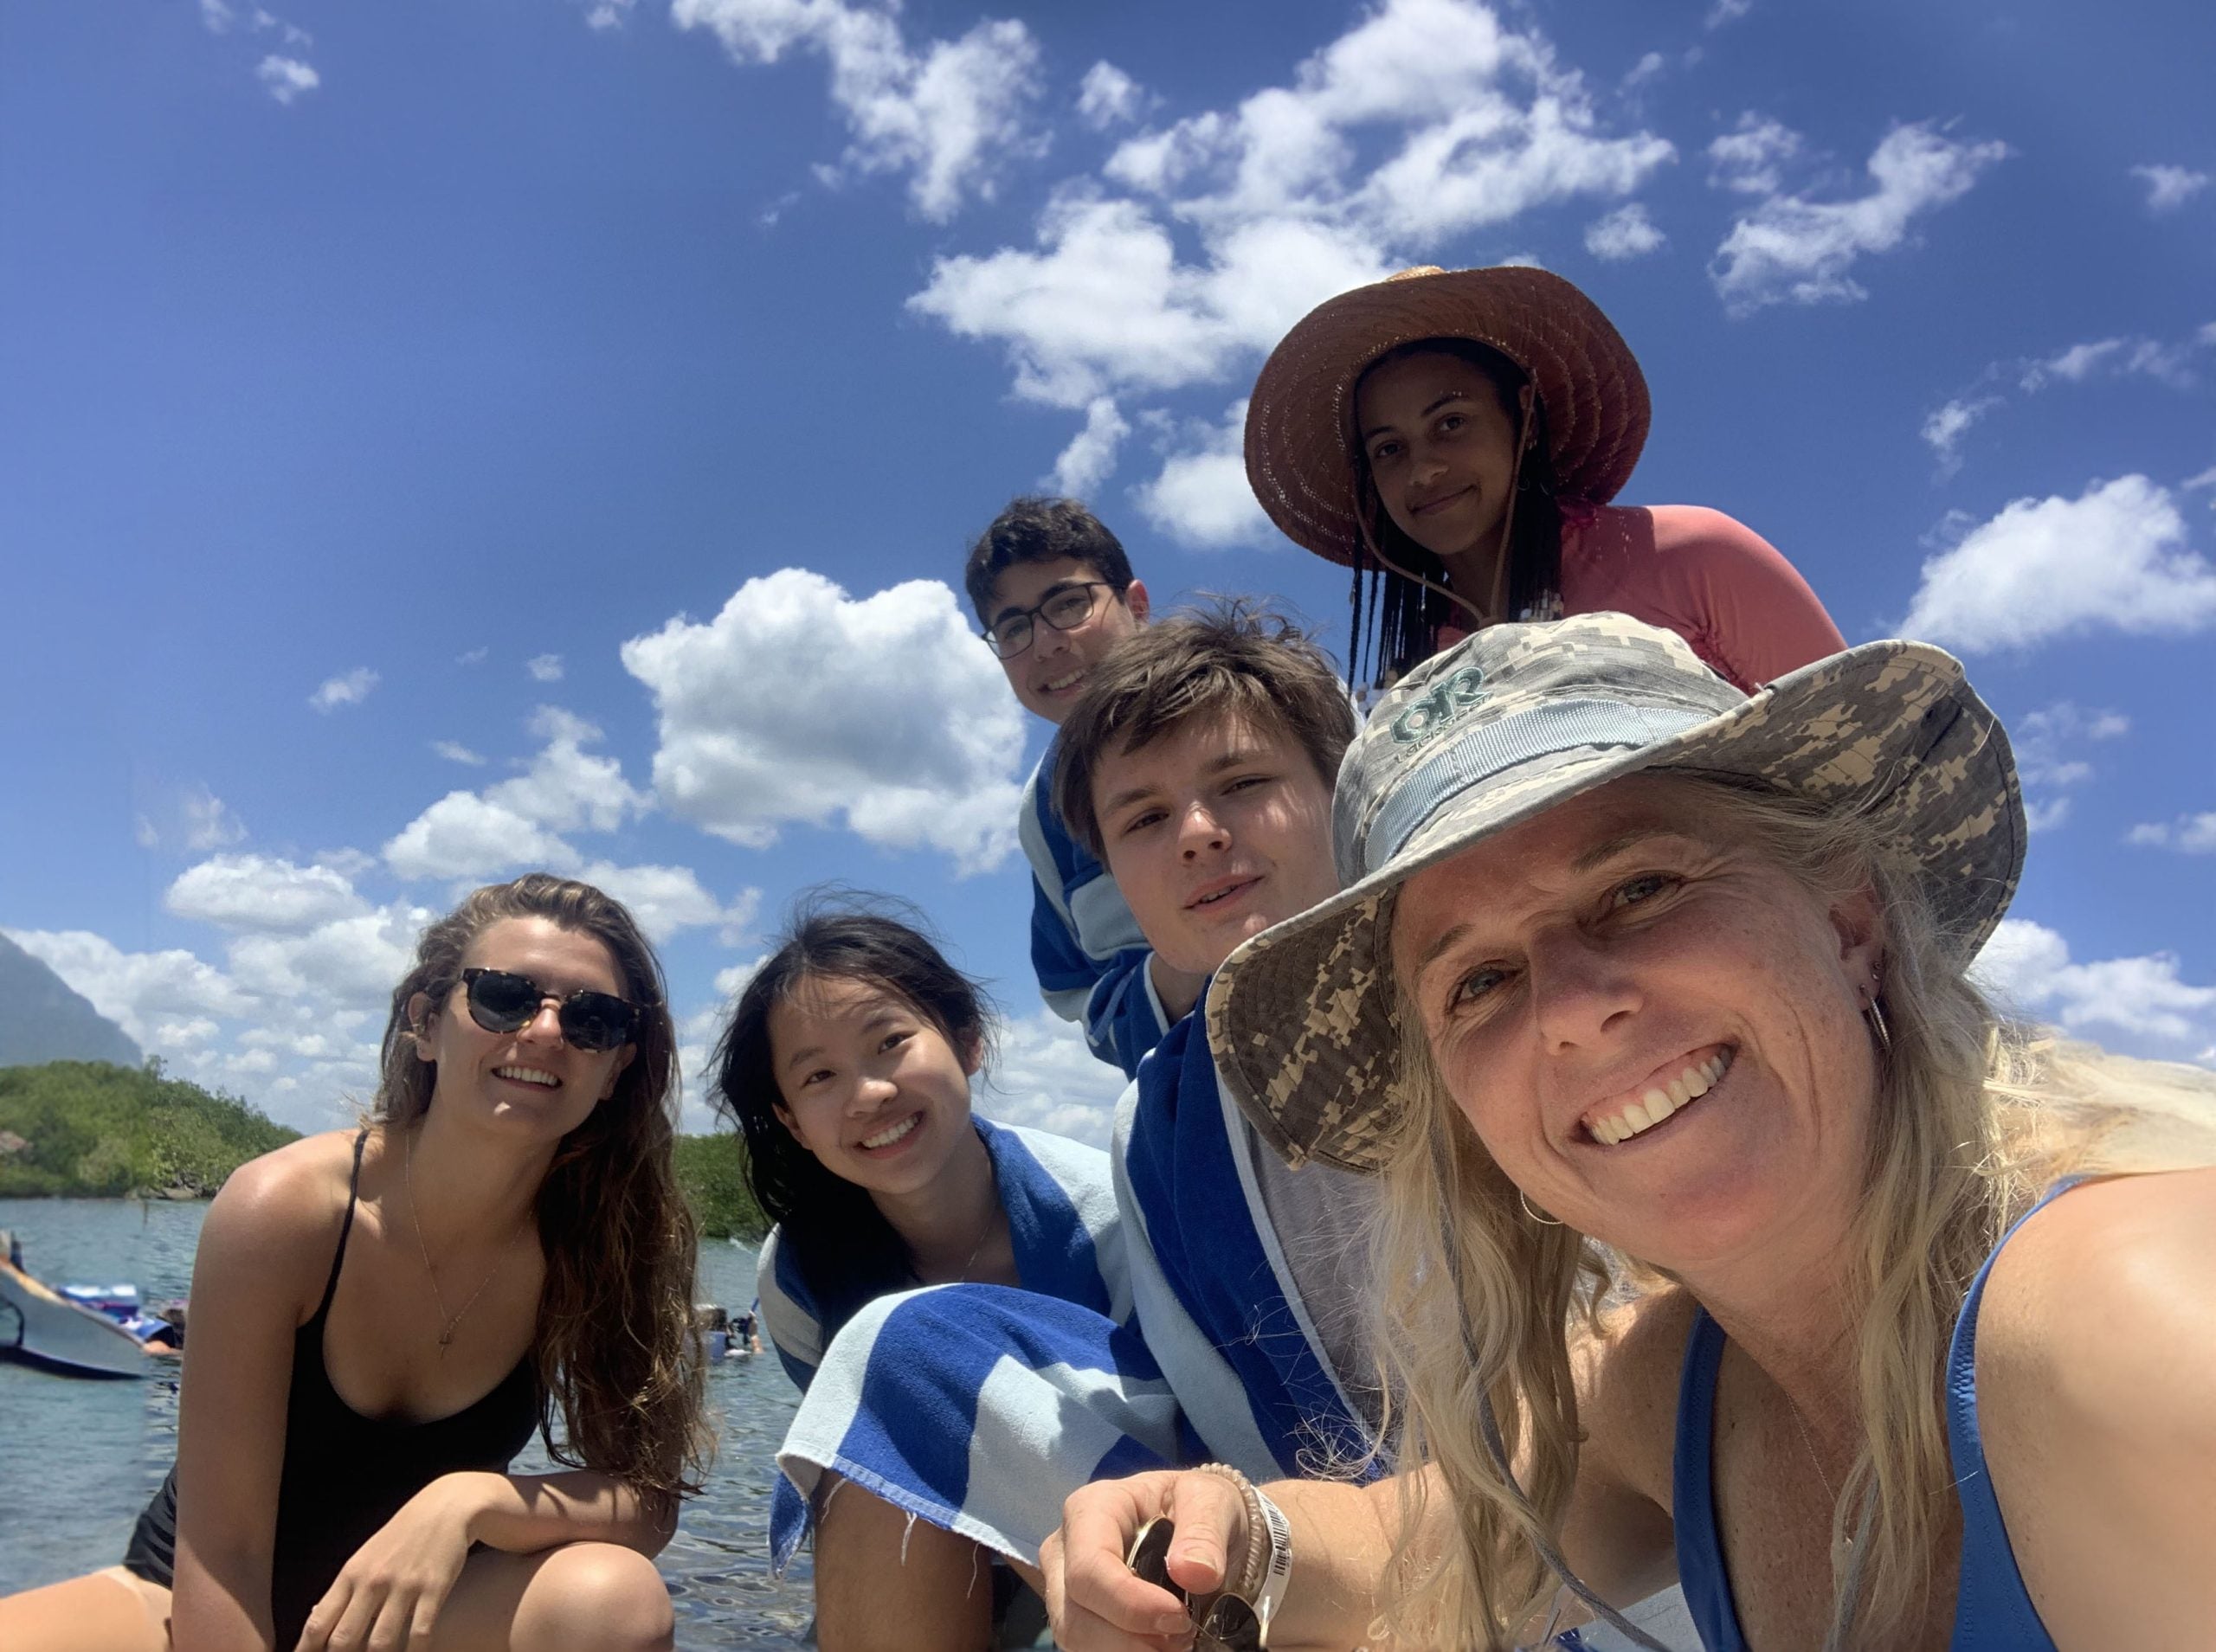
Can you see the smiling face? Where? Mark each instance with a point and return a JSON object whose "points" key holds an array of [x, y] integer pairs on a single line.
{"points": [[869, 1084], [1214, 832], [532, 1078], [1440, 446], [1654, 1029], [1049, 675]]}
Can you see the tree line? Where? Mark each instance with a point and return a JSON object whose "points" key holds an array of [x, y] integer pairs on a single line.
{"points": [[89, 1130]]}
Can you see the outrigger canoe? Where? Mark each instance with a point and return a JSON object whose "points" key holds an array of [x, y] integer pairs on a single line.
{"points": [[40, 1325]]}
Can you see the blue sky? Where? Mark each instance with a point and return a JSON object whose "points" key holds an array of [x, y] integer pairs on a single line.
{"points": [[445, 438]]}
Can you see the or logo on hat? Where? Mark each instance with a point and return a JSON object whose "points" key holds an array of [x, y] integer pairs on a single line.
{"points": [[1429, 716]]}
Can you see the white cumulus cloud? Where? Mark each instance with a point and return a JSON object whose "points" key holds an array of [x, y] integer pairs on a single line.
{"points": [[262, 892], [2190, 834], [1793, 249], [567, 788], [2169, 187], [1043, 1075], [798, 703], [2028, 966], [1944, 429], [666, 899], [2114, 557], [1626, 233], [140, 992], [1089, 459], [465, 836], [2171, 362], [945, 113], [286, 79], [209, 823], [348, 688], [454, 752], [2046, 742], [1200, 496], [1750, 158], [1108, 97], [1428, 118], [545, 668]]}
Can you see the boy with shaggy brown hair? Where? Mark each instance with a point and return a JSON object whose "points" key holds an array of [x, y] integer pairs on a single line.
{"points": [[1198, 766]]}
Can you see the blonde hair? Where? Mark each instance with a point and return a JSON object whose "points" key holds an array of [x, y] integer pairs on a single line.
{"points": [[1976, 1116]]}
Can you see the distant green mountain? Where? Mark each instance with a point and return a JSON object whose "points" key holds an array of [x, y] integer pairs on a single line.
{"points": [[86, 1129], [42, 1018]]}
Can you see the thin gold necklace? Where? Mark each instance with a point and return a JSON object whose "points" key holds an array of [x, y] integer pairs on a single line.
{"points": [[1841, 1543], [992, 1221], [446, 1323]]}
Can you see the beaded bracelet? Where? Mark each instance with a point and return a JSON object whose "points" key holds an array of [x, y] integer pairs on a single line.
{"points": [[1268, 1564]]}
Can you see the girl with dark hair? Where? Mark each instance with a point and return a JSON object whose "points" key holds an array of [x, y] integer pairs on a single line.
{"points": [[847, 1066], [1454, 437], [381, 1317]]}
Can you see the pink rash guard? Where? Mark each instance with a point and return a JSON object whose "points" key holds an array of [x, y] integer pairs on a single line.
{"points": [[1715, 582]]}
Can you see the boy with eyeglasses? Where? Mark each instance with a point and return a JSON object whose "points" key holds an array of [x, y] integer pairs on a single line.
{"points": [[1056, 593]]}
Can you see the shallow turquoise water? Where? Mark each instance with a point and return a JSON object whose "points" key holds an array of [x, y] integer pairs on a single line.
{"points": [[78, 1460]]}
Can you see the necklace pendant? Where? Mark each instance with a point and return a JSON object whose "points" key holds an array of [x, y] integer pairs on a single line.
{"points": [[446, 1340]]}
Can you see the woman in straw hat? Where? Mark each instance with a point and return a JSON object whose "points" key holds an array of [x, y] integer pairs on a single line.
{"points": [[1454, 437], [1630, 965]]}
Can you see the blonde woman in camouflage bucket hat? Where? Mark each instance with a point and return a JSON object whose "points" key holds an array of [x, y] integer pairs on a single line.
{"points": [[1628, 966]]}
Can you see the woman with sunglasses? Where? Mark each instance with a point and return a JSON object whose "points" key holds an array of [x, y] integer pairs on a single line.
{"points": [[382, 1317], [847, 1067]]}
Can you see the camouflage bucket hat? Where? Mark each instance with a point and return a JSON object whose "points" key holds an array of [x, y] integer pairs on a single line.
{"points": [[1519, 718]]}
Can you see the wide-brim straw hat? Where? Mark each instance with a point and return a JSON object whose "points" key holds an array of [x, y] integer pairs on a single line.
{"points": [[1300, 434], [1303, 1016]]}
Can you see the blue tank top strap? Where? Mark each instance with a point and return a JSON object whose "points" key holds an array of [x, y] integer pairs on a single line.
{"points": [[1692, 1493], [1993, 1609]]}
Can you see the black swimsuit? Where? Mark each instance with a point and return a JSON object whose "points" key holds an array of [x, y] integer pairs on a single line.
{"points": [[346, 1474]]}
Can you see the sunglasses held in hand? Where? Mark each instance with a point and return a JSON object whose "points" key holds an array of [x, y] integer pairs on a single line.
{"points": [[1227, 1623], [502, 1002]]}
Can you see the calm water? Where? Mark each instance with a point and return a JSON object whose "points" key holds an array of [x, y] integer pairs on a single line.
{"points": [[78, 1460]]}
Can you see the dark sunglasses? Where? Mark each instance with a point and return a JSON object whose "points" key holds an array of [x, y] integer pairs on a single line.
{"points": [[502, 1002], [1229, 1623]]}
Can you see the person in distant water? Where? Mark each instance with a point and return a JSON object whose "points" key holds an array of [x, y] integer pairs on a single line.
{"points": [[1915, 1351], [1054, 592], [746, 1330], [382, 1317], [1454, 437], [847, 1067]]}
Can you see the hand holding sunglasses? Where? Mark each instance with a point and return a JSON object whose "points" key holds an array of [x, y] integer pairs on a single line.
{"points": [[502, 1002], [1236, 1618]]}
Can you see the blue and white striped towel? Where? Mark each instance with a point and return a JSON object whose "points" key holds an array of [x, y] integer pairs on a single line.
{"points": [[980, 1408]]}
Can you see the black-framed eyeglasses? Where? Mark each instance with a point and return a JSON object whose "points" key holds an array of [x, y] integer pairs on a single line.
{"points": [[1065, 608], [1229, 1624], [503, 1002]]}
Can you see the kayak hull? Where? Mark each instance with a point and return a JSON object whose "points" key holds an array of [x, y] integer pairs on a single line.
{"points": [[41, 1328]]}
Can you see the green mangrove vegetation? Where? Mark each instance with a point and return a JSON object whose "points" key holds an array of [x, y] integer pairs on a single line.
{"points": [[711, 1171], [89, 1130]]}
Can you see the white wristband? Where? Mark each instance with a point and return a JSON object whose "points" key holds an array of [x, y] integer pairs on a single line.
{"points": [[1279, 1571]]}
